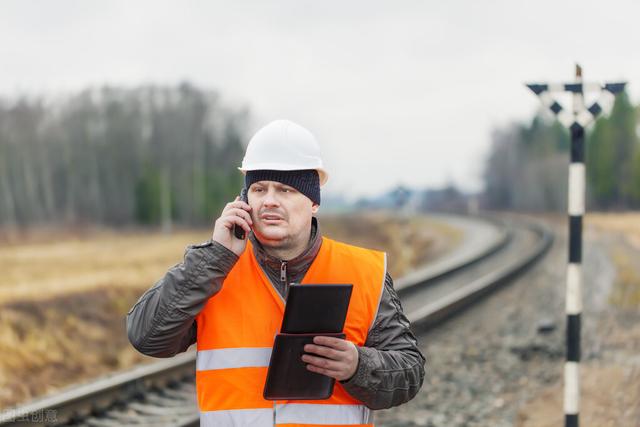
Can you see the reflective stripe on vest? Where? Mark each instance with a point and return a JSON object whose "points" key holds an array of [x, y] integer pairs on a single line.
{"points": [[301, 413], [226, 358], [237, 417], [237, 326], [289, 414]]}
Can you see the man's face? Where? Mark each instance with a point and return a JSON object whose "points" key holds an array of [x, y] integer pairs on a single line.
{"points": [[281, 214]]}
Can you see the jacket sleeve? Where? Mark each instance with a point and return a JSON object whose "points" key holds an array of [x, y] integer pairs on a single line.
{"points": [[162, 322], [390, 367]]}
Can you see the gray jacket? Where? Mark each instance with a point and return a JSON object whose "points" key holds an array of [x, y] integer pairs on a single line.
{"points": [[162, 323]]}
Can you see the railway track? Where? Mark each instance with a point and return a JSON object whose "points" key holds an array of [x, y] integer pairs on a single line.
{"points": [[163, 393]]}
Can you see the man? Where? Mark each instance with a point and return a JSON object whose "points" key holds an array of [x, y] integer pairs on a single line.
{"points": [[228, 296]]}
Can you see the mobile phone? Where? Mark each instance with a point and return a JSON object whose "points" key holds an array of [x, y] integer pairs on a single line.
{"points": [[237, 230]]}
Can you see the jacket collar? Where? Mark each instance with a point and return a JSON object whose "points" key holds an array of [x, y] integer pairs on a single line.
{"points": [[297, 265]]}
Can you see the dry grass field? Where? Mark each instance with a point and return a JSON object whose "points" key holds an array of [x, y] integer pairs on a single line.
{"points": [[64, 296], [626, 290], [40, 270], [627, 223]]}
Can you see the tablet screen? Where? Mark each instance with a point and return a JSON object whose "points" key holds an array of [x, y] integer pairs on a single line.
{"points": [[316, 308]]}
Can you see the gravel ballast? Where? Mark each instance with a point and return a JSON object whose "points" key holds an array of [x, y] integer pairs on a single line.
{"points": [[501, 362]]}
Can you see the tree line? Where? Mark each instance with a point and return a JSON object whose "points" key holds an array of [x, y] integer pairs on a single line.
{"points": [[149, 155], [527, 166], [160, 156]]}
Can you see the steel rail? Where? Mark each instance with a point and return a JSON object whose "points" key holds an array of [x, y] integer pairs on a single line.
{"points": [[432, 313]]}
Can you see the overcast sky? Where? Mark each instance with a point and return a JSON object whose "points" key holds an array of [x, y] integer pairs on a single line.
{"points": [[396, 91]]}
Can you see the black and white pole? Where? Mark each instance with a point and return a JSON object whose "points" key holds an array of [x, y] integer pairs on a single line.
{"points": [[576, 121], [573, 298]]}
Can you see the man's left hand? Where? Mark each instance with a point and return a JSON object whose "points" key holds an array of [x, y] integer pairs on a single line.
{"points": [[333, 357]]}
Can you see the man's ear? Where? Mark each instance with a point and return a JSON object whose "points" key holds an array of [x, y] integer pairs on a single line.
{"points": [[314, 208]]}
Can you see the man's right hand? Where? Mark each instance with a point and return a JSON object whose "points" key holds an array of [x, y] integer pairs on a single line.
{"points": [[236, 212]]}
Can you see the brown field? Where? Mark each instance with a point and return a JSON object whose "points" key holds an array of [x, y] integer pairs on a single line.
{"points": [[627, 223], [626, 289], [64, 296]]}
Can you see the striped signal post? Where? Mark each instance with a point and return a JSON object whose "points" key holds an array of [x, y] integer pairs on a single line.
{"points": [[576, 120]]}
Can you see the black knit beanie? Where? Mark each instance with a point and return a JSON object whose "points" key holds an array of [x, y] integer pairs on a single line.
{"points": [[305, 181]]}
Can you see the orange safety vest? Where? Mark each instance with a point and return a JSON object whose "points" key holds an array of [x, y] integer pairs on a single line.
{"points": [[236, 331]]}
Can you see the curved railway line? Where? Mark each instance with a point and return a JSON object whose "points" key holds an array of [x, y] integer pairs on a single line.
{"points": [[163, 393]]}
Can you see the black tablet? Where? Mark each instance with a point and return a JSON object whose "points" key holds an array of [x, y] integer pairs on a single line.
{"points": [[316, 308], [288, 376]]}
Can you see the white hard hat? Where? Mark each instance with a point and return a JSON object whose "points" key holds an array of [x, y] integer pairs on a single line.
{"points": [[285, 146]]}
